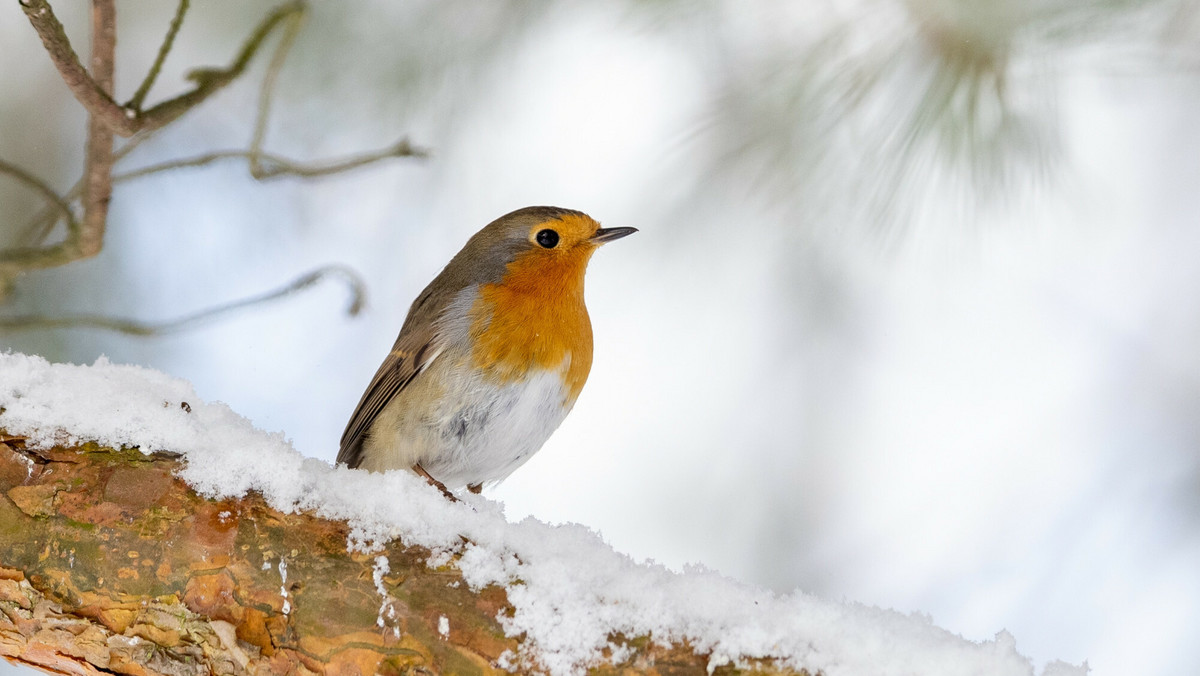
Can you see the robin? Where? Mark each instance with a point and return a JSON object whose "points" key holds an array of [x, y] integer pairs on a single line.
{"points": [[491, 358]]}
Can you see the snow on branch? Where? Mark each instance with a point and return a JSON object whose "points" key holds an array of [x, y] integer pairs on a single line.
{"points": [[143, 530]]}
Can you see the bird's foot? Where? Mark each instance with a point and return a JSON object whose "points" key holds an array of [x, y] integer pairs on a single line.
{"points": [[435, 483]]}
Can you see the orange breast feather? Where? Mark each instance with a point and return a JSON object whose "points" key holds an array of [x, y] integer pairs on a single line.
{"points": [[534, 318]]}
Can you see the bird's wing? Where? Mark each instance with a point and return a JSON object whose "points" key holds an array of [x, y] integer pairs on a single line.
{"points": [[408, 358]]}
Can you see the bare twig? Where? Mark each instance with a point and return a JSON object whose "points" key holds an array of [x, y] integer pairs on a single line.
{"points": [[209, 80], [271, 166], [275, 166], [84, 238], [86, 89], [140, 95], [40, 226], [98, 166], [267, 89], [140, 328], [126, 120], [61, 207]]}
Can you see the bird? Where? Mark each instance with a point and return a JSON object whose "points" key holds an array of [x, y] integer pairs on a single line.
{"points": [[490, 359]]}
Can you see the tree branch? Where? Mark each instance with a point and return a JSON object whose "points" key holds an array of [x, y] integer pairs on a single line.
{"points": [[58, 204], [84, 238], [274, 166], [140, 95], [128, 120], [110, 564], [87, 90], [97, 191], [210, 80], [267, 89], [143, 576], [270, 166], [134, 327], [262, 165]]}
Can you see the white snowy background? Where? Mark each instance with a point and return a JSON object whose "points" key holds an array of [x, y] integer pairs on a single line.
{"points": [[977, 399]]}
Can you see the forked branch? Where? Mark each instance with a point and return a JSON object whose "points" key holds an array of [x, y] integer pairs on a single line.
{"points": [[94, 90], [128, 119]]}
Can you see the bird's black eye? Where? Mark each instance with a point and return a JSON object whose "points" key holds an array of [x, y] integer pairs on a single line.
{"points": [[547, 238]]}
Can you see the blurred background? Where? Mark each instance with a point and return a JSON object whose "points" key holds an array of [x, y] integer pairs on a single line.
{"points": [[912, 319]]}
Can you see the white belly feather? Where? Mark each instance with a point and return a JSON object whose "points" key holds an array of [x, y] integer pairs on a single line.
{"points": [[487, 431]]}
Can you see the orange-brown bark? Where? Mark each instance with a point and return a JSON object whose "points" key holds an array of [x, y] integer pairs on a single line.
{"points": [[110, 564]]}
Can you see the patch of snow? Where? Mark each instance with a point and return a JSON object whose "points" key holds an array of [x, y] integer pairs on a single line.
{"points": [[444, 626], [29, 466], [569, 589], [381, 568], [387, 605], [439, 558], [287, 602]]}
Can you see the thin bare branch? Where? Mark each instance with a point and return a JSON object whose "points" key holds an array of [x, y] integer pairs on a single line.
{"points": [[275, 166], [139, 328], [126, 120], [39, 227], [210, 80], [98, 165], [58, 203], [84, 238], [271, 166], [266, 91], [140, 95], [98, 102], [85, 88], [62, 209]]}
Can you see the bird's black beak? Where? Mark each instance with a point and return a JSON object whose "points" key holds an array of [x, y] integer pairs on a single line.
{"points": [[604, 235]]}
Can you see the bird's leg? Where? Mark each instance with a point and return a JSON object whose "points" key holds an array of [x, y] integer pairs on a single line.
{"points": [[434, 482], [475, 488]]}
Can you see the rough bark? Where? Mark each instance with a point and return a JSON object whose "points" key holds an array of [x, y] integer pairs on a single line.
{"points": [[110, 564]]}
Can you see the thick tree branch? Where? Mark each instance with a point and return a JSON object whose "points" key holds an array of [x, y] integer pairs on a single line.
{"points": [[108, 563]]}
